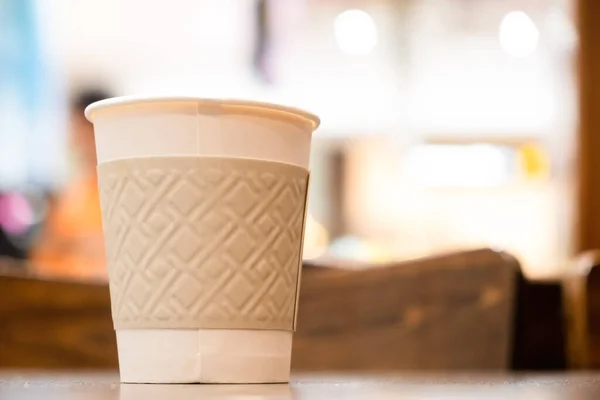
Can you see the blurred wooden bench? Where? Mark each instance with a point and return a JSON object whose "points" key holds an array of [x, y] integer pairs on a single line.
{"points": [[51, 323], [449, 312], [464, 311]]}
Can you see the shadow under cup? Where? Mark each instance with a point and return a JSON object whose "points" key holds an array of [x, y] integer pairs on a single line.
{"points": [[203, 207]]}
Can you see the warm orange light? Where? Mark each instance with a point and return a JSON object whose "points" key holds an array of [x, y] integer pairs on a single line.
{"points": [[316, 239]]}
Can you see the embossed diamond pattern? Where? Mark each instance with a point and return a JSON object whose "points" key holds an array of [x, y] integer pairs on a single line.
{"points": [[197, 242]]}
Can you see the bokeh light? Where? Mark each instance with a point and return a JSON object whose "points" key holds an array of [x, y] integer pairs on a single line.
{"points": [[355, 32], [518, 34]]}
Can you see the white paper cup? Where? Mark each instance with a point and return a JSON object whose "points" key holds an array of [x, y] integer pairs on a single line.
{"points": [[130, 127]]}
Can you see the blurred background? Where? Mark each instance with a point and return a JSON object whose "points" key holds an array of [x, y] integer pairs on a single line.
{"points": [[446, 124]]}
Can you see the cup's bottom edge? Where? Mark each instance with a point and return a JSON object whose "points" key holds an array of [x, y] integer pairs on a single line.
{"points": [[211, 357]]}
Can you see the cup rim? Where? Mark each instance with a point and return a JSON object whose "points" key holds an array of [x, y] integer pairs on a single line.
{"points": [[120, 101]]}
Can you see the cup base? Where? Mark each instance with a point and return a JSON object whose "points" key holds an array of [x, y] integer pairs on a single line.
{"points": [[204, 356]]}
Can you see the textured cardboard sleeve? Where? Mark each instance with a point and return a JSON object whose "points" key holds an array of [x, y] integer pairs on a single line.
{"points": [[203, 242]]}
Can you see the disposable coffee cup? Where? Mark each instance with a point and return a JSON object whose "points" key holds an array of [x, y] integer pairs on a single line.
{"points": [[203, 207]]}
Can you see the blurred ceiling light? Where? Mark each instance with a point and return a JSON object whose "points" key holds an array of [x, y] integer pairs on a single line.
{"points": [[355, 32], [518, 34]]}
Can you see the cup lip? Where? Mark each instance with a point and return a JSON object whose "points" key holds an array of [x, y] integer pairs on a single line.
{"points": [[130, 100]]}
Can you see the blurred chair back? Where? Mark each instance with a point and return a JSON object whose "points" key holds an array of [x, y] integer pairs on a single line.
{"points": [[448, 312]]}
